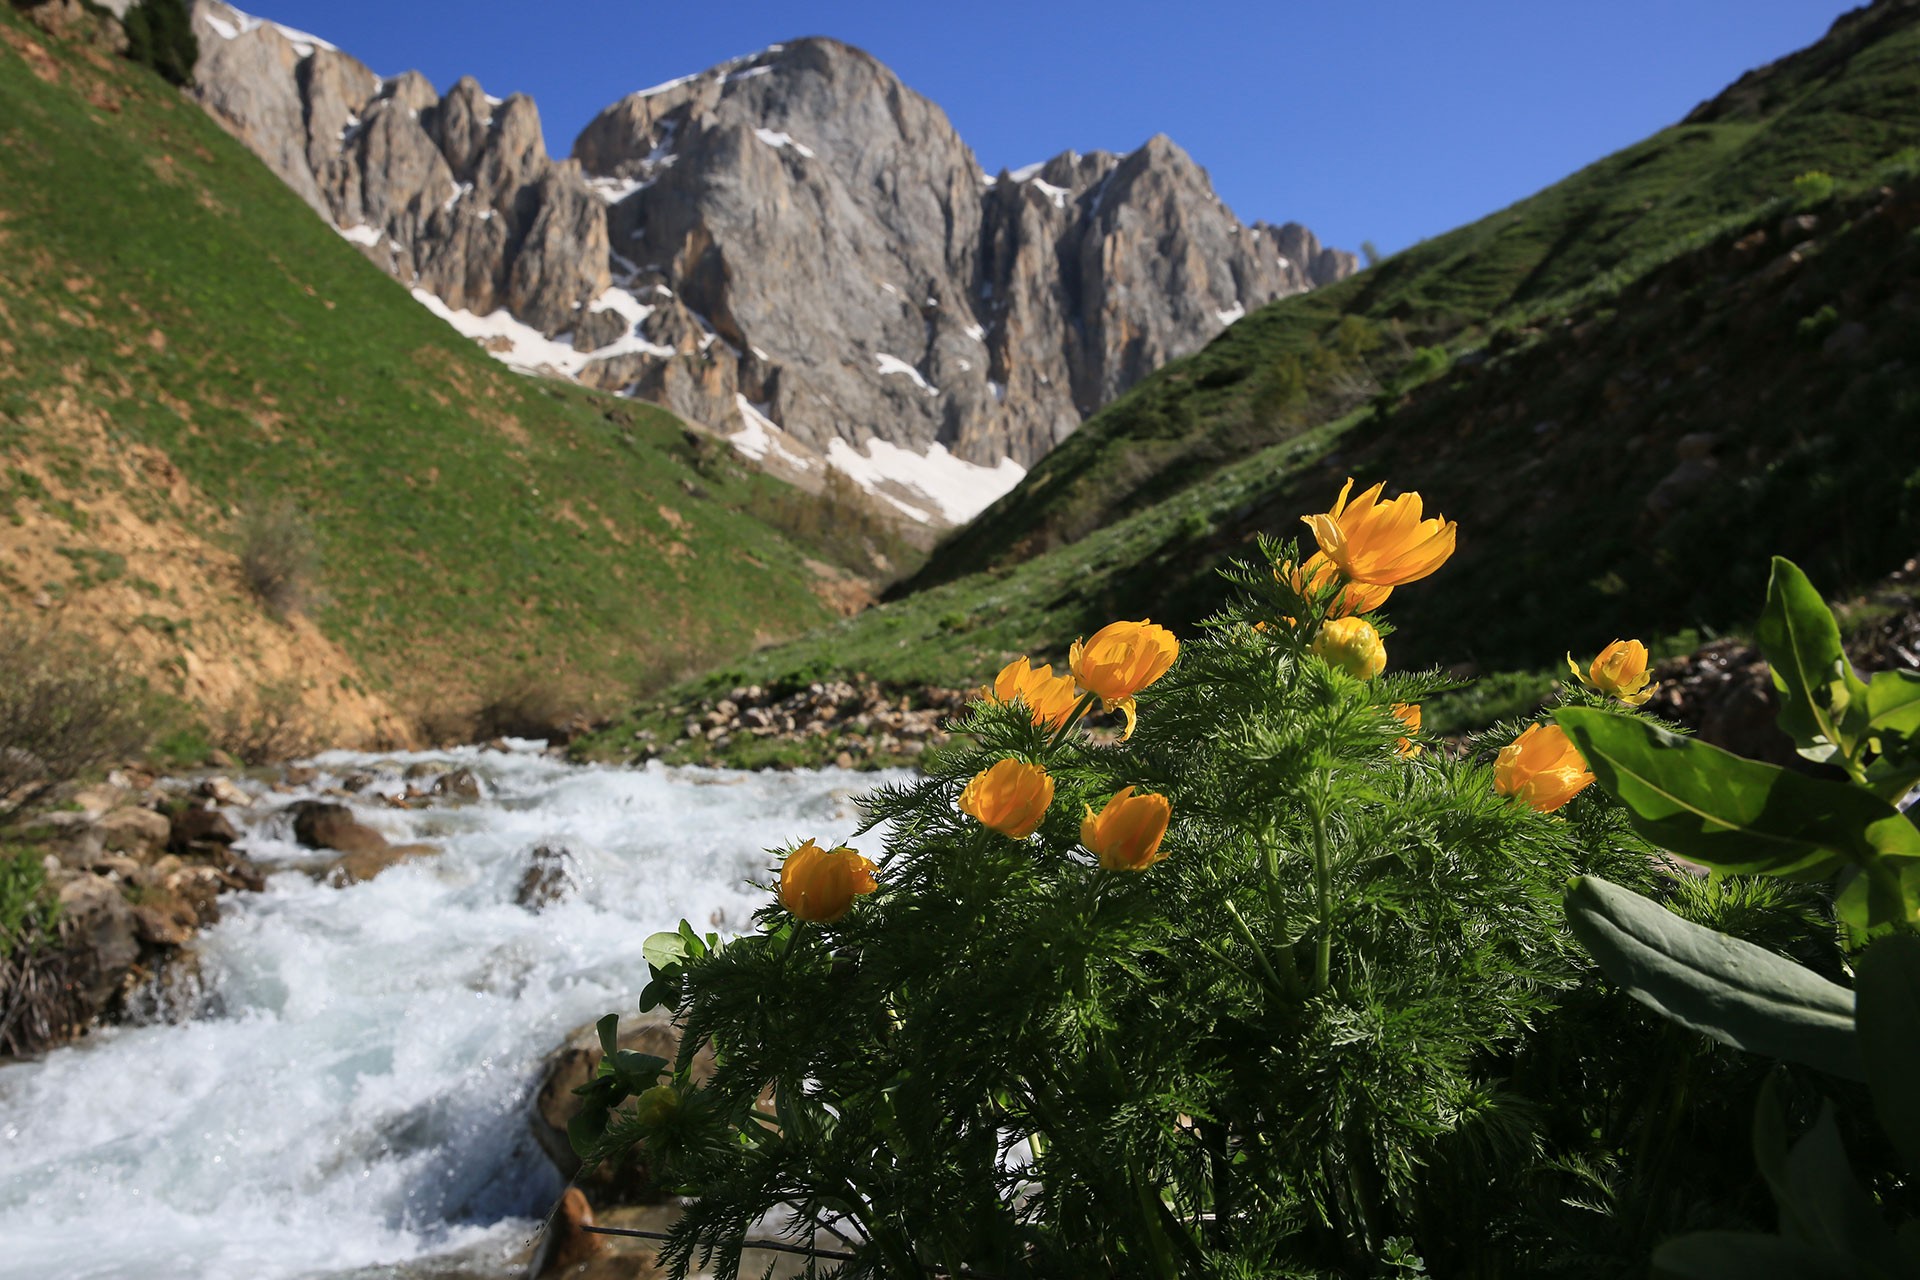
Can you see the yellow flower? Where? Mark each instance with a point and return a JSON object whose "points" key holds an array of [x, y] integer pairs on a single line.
{"points": [[1620, 670], [1351, 645], [1011, 797], [1408, 714], [1122, 659], [1542, 767], [1319, 573], [1126, 833], [1382, 543], [1049, 697], [820, 884]]}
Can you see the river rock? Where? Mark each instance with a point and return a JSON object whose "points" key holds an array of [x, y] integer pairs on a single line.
{"points": [[555, 1105], [163, 918], [98, 928], [318, 824], [460, 785], [194, 826], [136, 831], [73, 838], [224, 791], [365, 864], [551, 876]]}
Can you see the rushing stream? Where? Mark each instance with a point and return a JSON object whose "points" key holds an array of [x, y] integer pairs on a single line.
{"points": [[354, 1091]]}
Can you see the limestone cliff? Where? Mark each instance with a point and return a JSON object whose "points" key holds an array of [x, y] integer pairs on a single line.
{"points": [[796, 233]]}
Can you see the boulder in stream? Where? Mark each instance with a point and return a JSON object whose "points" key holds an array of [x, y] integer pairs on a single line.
{"points": [[555, 1104], [551, 876]]}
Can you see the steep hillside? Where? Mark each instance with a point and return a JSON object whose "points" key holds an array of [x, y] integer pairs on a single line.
{"points": [[185, 351], [1843, 106], [1622, 461], [793, 243]]}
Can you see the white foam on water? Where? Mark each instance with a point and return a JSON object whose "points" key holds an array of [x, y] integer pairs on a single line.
{"points": [[359, 1097]]}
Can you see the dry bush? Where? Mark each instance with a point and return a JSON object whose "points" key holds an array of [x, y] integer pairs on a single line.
{"points": [[274, 727], [65, 708], [280, 556], [528, 705]]}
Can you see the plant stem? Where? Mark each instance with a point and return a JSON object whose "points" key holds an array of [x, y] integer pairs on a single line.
{"points": [[1323, 892], [1290, 982], [1080, 709]]}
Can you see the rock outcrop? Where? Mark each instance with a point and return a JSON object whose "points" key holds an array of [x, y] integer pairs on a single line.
{"points": [[793, 238], [454, 195]]}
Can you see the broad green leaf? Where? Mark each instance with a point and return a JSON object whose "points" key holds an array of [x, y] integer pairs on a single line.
{"points": [[1893, 702], [663, 950], [638, 1071], [609, 1032], [1873, 906], [1822, 701], [1731, 813], [1737, 993], [1892, 776], [586, 1128], [1889, 1022], [1824, 1205]]}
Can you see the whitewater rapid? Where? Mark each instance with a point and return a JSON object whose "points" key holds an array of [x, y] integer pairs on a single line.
{"points": [[354, 1089]]}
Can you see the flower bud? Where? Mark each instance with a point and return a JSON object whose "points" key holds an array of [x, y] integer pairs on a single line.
{"points": [[820, 884], [1541, 767], [1620, 672], [1011, 797], [1126, 833], [1350, 645], [656, 1106]]}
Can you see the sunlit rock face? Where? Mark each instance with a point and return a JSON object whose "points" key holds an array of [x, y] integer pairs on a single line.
{"points": [[793, 238]]}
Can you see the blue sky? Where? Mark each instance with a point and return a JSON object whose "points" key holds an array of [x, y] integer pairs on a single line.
{"points": [[1381, 120]]}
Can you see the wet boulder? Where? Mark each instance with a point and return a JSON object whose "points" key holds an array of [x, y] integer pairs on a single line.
{"points": [[552, 875], [318, 824], [627, 1181]]}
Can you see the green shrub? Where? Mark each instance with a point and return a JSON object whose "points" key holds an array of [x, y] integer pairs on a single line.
{"points": [[1815, 326], [160, 35], [1341, 1028], [1812, 187]]}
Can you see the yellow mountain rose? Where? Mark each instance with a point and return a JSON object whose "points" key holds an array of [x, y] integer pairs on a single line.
{"points": [[1381, 543]]}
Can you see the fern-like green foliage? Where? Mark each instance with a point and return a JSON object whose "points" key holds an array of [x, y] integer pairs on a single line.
{"points": [[1342, 1028]]}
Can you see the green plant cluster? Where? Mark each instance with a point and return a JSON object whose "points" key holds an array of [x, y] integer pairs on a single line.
{"points": [[1342, 1028], [29, 913], [1838, 1216]]}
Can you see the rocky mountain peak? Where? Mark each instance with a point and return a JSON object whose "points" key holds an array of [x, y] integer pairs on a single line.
{"points": [[792, 247]]}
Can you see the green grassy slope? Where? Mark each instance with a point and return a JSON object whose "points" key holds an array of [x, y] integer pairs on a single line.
{"points": [[475, 526], [1842, 106]]}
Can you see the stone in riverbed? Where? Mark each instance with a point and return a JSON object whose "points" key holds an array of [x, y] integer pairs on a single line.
{"points": [[461, 784], [573, 1064], [320, 825], [354, 868], [135, 831], [551, 876], [201, 826]]}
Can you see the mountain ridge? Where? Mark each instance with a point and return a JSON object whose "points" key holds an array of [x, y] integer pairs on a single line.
{"points": [[684, 249]]}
